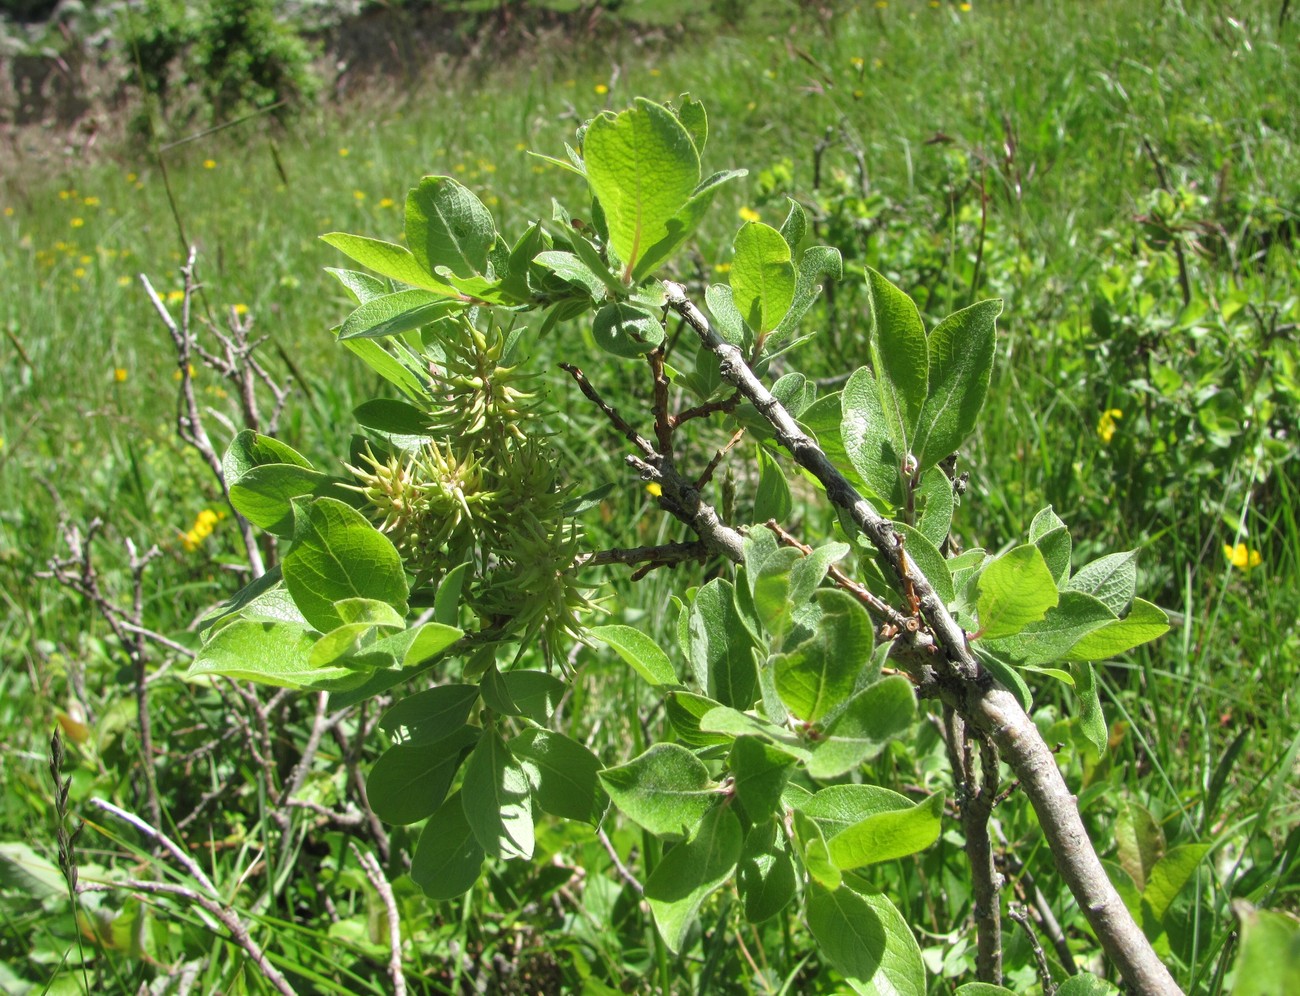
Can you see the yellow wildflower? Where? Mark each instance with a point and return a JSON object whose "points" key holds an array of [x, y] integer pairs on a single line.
{"points": [[124, 281], [77, 222], [176, 374], [857, 62], [131, 177], [119, 374], [1106, 424], [91, 202], [964, 7], [601, 89], [654, 72], [749, 214], [67, 194], [9, 212], [209, 164], [722, 267], [359, 195], [241, 309], [881, 4], [386, 202], [193, 537], [175, 296], [654, 489], [1242, 557], [79, 272], [344, 152]]}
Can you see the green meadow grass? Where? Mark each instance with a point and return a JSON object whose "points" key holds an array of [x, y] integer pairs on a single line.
{"points": [[1009, 150]]}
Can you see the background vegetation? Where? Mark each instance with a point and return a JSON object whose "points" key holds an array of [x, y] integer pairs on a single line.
{"points": [[1122, 174]]}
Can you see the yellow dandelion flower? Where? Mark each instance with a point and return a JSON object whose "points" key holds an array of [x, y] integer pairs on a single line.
{"points": [[359, 195], [175, 296], [1242, 557], [241, 309], [965, 7], [176, 374], [132, 177], [91, 202], [857, 62], [67, 194], [1106, 424], [83, 259], [79, 272], [749, 214], [209, 164], [77, 222], [881, 4], [601, 89], [487, 166], [344, 152], [386, 202], [9, 212], [124, 281], [654, 72], [119, 374], [458, 168], [654, 489], [721, 267]]}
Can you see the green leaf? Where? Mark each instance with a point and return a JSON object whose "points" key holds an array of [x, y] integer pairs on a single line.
{"points": [[1050, 638], [534, 693], [726, 317], [961, 360], [251, 449], [817, 265], [870, 719], [1092, 721], [924, 556], [564, 775], [429, 640], [811, 844], [382, 362], [818, 675], [1112, 579], [626, 330], [760, 771], [667, 790], [765, 878], [720, 647], [769, 575], [795, 226], [762, 276], [396, 313], [683, 224], [362, 617], [838, 807], [362, 286], [1170, 874], [1087, 984], [690, 112], [269, 652], [447, 859], [1139, 841], [935, 498], [430, 715], [1050, 535], [410, 780], [691, 872], [28, 873], [396, 418], [900, 358], [865, 433], [1145, 622], [446, 601], [734, 723], [388, 260], [569, 267], [984, 989], [685, 710], [446, 225], [639, 651], [264, 494], [1015, 590], [1268, 963], [338, 554], [886, 836], [643, 167], [848, 933], [496, 799], [772, 499]]}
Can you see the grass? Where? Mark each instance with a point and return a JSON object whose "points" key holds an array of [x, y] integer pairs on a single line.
{"points": [[1006, 153]]}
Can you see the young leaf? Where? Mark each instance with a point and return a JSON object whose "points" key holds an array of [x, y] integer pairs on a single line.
{"points": [[396, 313], [569, 267], [388, 260], [682, 225], [811, 844], [1050, 638], [446, 601], [692, 871], [1170, 874], [264, 494], [626, 330], [685, 710], [447, 859], [720, 647], [726, 316], [1092, 722], [765, 878], [446, 225], [772, 499], [338, 554], [269, 652], [961, 360], [1139, 841], [429, 640], [762, 276], [1049, 534], [1113, 579], [870, 719], [496, 799], [410, 780], [795, 226], [564, 775], [900, 359], [690, 112], [251, 449], [639, 651], [818, 675], [1015, 590], [643, 167], [1145, 622], [817, 265], [936, 502], [734, 723], [886, 836]]}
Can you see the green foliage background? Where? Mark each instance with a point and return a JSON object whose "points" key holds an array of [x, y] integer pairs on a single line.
{"points": [[1121, 174]]}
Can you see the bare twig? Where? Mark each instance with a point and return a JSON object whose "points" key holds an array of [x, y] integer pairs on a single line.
{"points": [[223, 914], [990, 709], [160, 838], [376, 876], [615, 419], [1017, 912], [663, 555], [619, 867]]}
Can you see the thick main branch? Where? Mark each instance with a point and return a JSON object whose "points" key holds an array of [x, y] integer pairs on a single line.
{"points": [[987, 707]]}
